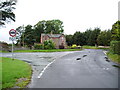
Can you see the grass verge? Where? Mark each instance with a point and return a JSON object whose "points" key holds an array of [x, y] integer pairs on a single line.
{"points": [[15, 73], [114, 57], [93, 47], [51, 50]]}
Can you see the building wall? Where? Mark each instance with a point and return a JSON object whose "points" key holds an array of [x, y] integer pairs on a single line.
{"points": [[57, 40]]}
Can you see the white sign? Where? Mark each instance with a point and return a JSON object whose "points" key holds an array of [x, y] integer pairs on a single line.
{"points": [[12, 38]]}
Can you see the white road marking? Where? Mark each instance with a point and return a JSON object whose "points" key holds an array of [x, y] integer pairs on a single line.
{"points": [[39, 76]]}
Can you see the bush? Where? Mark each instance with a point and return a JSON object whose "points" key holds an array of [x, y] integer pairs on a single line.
{"points": [[61, 47], [74, 46], [115, 47], [48, 44], [39, 46]]}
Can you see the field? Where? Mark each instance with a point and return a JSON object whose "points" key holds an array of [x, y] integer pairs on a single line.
{"points": [[15, 73]]}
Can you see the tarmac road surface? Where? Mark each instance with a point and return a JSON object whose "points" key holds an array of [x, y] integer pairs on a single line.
{"points": [[83, 69]]}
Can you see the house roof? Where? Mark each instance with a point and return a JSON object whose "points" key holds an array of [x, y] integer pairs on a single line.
{"points": [[52, 35]]}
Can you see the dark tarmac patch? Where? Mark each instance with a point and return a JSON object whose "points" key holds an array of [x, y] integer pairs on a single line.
{"points": [[116, 66], [84, 55], [78, 58]]}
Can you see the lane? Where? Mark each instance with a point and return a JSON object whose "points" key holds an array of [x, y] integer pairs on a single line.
{"points": [[83, 69]]}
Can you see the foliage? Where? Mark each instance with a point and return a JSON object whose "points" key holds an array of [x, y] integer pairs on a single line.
{"points": [[28, 36], [54, 26], [79, 38], [20, 30], [116, 31], [74, 46], [115, 47], [49, 44], [69, 39], [6, 11], [92, 40], [104, 38], [12, 70], [39, 46], [114, 57]]}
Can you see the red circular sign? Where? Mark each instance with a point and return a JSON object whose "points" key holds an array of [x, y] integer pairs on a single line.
{"points": [[12, 32]]}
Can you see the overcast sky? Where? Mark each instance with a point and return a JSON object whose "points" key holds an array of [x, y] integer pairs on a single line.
{"points": [[77, 15]]}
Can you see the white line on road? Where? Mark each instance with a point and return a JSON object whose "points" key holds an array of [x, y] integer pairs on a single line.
{"points": [[39, 76]]}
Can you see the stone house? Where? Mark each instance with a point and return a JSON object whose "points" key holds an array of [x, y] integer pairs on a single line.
{"points": [[58, 39]]}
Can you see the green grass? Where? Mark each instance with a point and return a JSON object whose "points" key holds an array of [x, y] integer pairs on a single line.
{"points": [[0, 73], [114, 57], [15, 73], [93, 47], [3, 51], [51, 50]]}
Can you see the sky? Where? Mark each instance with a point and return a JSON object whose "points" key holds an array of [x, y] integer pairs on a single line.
{"points": [[76, 15]]}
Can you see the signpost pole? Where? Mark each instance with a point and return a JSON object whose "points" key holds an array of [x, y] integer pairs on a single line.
{"points": [[12, 51], [12, 33]]}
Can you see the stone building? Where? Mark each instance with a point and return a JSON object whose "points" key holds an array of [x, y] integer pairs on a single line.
{"points": [[58, 39]]}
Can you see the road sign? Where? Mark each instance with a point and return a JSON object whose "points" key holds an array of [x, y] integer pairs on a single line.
{"points": [[12, 38], [12, 32]]}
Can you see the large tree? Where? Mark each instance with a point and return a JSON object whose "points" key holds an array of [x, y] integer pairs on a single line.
{"points": [[29, 36], [116, 31], [69, 40], [54, 26], [92, 40], [104, 38], [6, 11]]}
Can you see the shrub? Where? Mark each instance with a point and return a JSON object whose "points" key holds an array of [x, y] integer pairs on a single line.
{"points": [[39, 46], [74, 46], [61, 47], [48, 44], [115, 47]]}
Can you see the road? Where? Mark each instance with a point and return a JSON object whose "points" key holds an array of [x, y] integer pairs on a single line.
{"points": [[82, 69]]}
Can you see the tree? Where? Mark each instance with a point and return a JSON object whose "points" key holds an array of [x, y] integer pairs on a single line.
{"points": [[39, 28], [69, 40], [29, 37], [92, 40], [79, 38], [104, 38], [54, 26], [6, 11], [116, 31], [20, 30]]}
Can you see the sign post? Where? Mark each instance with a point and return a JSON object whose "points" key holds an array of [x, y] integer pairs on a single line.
{"points": [[12, 33]]}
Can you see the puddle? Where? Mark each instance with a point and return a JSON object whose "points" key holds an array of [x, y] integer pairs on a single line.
{"points": [[116, 66], [78, 58], [84, 55], [107, 59]]}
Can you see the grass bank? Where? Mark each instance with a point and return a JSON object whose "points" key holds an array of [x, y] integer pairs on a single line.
{"points": [[93, 47], [15, 73], [114, 57], [51, 50]]}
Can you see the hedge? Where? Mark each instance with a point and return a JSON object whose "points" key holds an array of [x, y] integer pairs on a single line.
{"points": [[115, 47]]}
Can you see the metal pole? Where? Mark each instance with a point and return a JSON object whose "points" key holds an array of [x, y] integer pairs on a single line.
{"points": [[12, 50]]}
